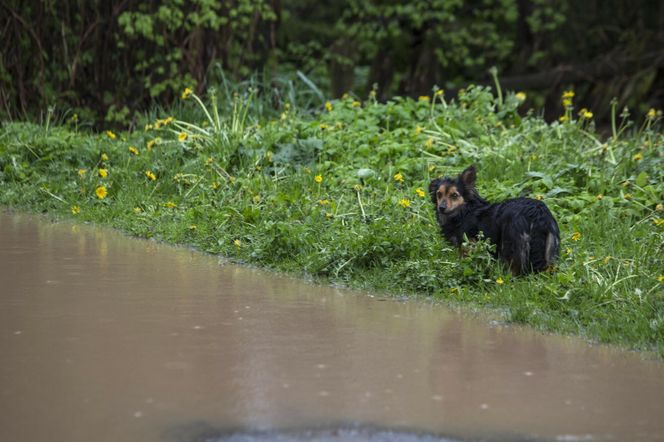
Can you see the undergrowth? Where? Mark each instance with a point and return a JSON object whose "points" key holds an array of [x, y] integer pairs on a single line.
{"points": [[338, 192]]}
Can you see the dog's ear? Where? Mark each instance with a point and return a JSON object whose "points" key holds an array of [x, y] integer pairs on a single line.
{"points": [[433, 188], [468, 176]]}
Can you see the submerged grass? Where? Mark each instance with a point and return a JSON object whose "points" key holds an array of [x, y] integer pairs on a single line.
{"points": [[339, 193]]}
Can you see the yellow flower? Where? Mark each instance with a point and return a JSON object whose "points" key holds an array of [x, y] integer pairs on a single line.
{"points": [[75, 210], [659, 207], [328, 106], [133, 150], [318, 179], [101, 192], [637, 157], [170, 205], [323, 202], [182, 136], [103, 173], [418, 130], [652, 113], [404, 203], [82, 172], [563, 118], [398, 177], [193, 227], [660, 278], [439, 92], [357, 187], [568, 94], [521, 96], [151, 143], [104, 157], [576, 236], [606, 260], [111, 135], [568, 251], [256, 199], [421, 193], [627, 196], [429, 142], [659, 222], [356, 103], [539, 197], [151, 176], [600, 197], [500, 281], [237, 243], [148, 127], [137, 210], [186, 93], [215, 185], [423, 98], [168, 120], [322, 126], [585, 114], [567, 102]]}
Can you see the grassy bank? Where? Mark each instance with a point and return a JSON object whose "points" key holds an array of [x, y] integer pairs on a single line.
{"points": [[338, 193]]}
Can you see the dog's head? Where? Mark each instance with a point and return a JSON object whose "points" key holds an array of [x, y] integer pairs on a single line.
{"points": [[449, 195]]}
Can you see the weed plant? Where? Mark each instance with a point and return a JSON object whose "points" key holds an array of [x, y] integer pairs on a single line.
{"points": [[337, 192]]}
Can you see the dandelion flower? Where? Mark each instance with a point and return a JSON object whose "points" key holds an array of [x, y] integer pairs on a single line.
{"points": [[133, 150], [318, 179], [170, 205], [182, 136], [576, 236], [439, 93], [323, 202], [660, 278], [521, 96], [328, 106], [423, 98], [237, 243], [101, 192], [568, 94], [421, 193], [429, 142], [585, 114], [151, 176], [150, 144], [539, 197], [103, 173], [563, 118], [186, 93], [404, 203], [652, 113], [398, 177], [600, 197], [500, 281], [215, 185], [637, 157], [322, 126], [82, 172], [75, 210], [356, 103], [418, 130], [137, 210], [111, 135], [104, 157]]}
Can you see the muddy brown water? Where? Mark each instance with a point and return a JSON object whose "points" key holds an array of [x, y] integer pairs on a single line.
{"points": [[108, 338]]}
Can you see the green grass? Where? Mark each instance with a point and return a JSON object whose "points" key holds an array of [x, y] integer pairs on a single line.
{"points": [[243, 184]]}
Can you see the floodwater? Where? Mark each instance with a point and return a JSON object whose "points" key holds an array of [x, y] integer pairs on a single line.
{"points": [[107, 338]]}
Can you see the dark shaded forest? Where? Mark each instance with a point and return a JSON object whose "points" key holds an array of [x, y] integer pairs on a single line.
{"points": [[107, 60]]}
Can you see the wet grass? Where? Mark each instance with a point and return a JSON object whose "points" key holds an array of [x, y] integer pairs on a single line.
{"points": [[337, 192]]}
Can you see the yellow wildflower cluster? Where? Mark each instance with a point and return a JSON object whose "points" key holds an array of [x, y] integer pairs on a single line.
{"points": [[328, 106], [567, 98], [186, 93], [182, 136], [103, 173], [111, 135], [421, 193], [585, 114], [398, 177], [404, 203], [576, 236]]}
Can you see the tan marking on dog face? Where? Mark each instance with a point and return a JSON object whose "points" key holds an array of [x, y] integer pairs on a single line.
{"points": [[450, 195]]}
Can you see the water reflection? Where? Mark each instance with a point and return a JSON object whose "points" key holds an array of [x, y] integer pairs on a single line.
{"points": [[109, 338]]}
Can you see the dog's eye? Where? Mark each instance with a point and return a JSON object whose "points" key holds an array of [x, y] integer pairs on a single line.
{"points": [[454, 196]]}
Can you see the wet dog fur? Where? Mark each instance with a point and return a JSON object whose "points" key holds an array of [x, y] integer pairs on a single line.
{"points": [[524, 231]]}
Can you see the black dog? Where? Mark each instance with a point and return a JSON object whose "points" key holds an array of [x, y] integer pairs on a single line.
{"points": [[525, 233]]}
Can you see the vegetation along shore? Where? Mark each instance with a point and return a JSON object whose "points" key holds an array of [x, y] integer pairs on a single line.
{"points": [[337, 191]]}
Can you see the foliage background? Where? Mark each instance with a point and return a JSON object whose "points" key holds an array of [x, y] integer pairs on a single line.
{"points": [[107, 60]]}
